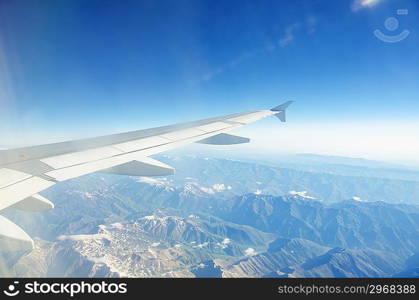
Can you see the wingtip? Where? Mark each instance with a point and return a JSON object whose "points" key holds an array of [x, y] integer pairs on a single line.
{"points": [[282, 107]]}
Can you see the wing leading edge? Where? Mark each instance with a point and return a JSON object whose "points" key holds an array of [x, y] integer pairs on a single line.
{"points": [[24, 172]]}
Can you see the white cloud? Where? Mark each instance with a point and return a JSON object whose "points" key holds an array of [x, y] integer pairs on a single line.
{"points": [[250, 252], [224, 244], [207, 190], [153, 181], [117, 225], [84, 237], [226, 241], [361, 4], [87, 195], [219, 187], [202, 245]]}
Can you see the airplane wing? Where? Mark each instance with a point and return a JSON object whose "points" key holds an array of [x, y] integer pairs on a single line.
{"points": [[24, 172]]}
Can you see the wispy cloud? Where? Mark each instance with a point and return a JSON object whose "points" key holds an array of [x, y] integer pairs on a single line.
{"points": [[311, 23], [210, 75], [289, 35], [230, 65], [286, 39], [361, 4]]}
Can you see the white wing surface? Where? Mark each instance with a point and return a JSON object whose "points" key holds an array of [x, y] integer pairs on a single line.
{"points": [[24, 172]]}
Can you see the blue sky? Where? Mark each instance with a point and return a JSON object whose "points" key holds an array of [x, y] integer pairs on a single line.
{"points": [[72, 69]]}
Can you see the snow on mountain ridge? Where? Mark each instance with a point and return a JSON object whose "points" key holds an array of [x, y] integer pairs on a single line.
{"points": [[154, 181], [302, 194]]}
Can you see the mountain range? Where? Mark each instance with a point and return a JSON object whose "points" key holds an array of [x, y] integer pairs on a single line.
{"points": [[225, 218]]}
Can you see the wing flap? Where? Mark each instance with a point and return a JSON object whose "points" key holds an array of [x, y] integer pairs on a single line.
{"points": [[8, 177], [34, 203], [14, 193], [224, 139], [12, 237], [144, 166], [90, 167]]}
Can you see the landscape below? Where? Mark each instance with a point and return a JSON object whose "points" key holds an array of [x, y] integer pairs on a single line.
{"points": [[312, 216]]}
